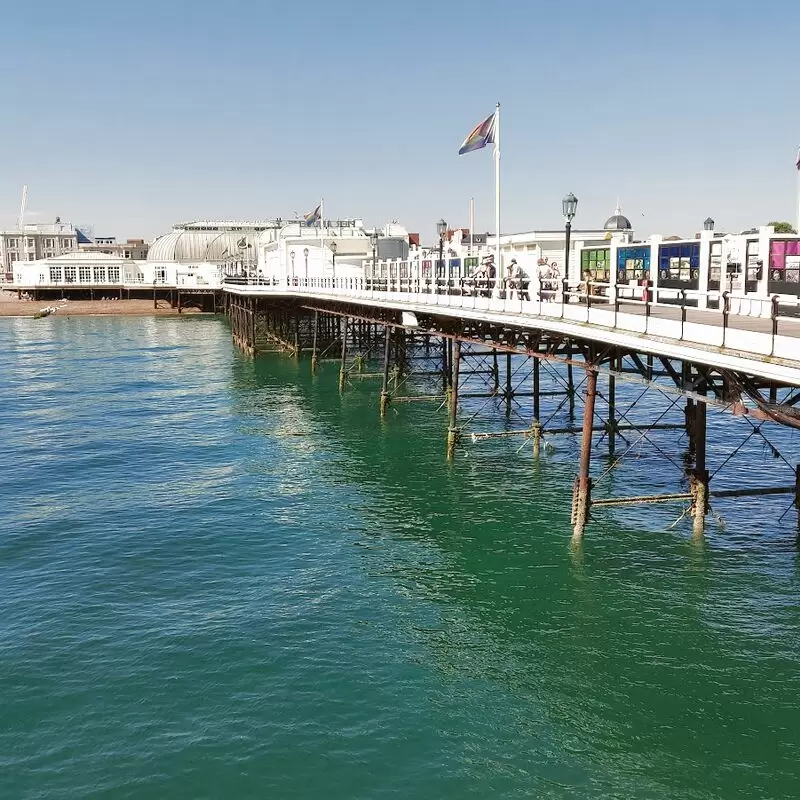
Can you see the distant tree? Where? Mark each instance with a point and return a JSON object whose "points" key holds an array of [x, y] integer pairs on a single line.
{"points": [[782, 227]]}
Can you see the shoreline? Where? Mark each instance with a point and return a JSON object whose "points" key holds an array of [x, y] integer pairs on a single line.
{"points": [[27, 309]]}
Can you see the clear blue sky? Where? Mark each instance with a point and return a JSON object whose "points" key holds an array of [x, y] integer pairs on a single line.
{"points": [[133, 116]]}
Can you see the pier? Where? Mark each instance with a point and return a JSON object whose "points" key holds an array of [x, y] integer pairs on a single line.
{"points": [[745, 365]]}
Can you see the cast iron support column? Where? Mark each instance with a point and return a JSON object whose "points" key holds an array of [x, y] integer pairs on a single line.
{"points": [[314, 343], [570, 388], [689, 414], [582, 491], [495, 371], [509, 390], [797, 496], [611, 428], [342, 365], [445, 368], [387, 348], [698, 477], [536, 427], [452, 431], [251, 331], [179, 302]]}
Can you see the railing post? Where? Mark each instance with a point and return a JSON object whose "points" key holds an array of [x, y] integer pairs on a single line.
{"points": [[774, 311], [683, 310], [564, 289], [726, 310]]}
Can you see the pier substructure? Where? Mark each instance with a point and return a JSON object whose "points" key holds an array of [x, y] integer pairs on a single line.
{"points": [[453, 360]]}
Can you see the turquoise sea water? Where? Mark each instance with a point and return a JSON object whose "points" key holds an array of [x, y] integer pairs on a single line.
{"points": [[220, 579]]}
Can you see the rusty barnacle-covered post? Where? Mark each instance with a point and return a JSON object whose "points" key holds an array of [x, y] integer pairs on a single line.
{"points": [[387, 347], [452, 430], [314, 343], [698, 477], [582, 490]]}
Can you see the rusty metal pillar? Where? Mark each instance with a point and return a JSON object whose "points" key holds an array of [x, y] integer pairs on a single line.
{"points": [[536, 427], [179, 302], [611, 426], [689, 413], [251, 332], [343, 364], [495, 371], [582, 490], [452, 430], [509, 392], [314, 343], [387, 349], [797, 496], [570, 387], [698, 477], [445, 367]]}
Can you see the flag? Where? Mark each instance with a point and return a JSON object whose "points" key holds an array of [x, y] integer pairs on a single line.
{"points": [[313, 217], [798, 159], [481, 135]]}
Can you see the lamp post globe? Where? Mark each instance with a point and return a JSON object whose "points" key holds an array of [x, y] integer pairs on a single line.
{"points": [[441, 228], [708, 224], [569, 206]]}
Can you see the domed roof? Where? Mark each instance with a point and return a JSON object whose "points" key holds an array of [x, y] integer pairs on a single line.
{"points": [[618, 222], [194, 246]]}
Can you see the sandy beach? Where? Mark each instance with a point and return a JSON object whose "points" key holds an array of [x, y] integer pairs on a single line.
{"points": [[10, 306]]}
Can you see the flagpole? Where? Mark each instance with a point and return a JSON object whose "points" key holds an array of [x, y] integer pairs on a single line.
{"points": [[497, 198], [322, 234], [471, 223], [797, 227]]}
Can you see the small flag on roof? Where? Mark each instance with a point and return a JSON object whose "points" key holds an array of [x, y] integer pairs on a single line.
{"points": [[313, 217], [481, 135]]}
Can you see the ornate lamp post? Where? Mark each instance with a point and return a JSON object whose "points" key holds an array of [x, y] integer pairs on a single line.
{"points": [[569, 206], [305, 254], [373, 240], [333, 251], [441, 230], [291, 255]]}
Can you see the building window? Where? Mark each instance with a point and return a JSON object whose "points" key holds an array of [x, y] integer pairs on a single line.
{"points": [[50, 243], [633, 264], [31, 241], [69, 273], [127, 253], [113, 274], [99, 274], [55, 274], [715, 265], [12, 243], [31, 256], [679, 264], [66, 244], [50, 254], [85, 273], [597, 263], [784, 266]]}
